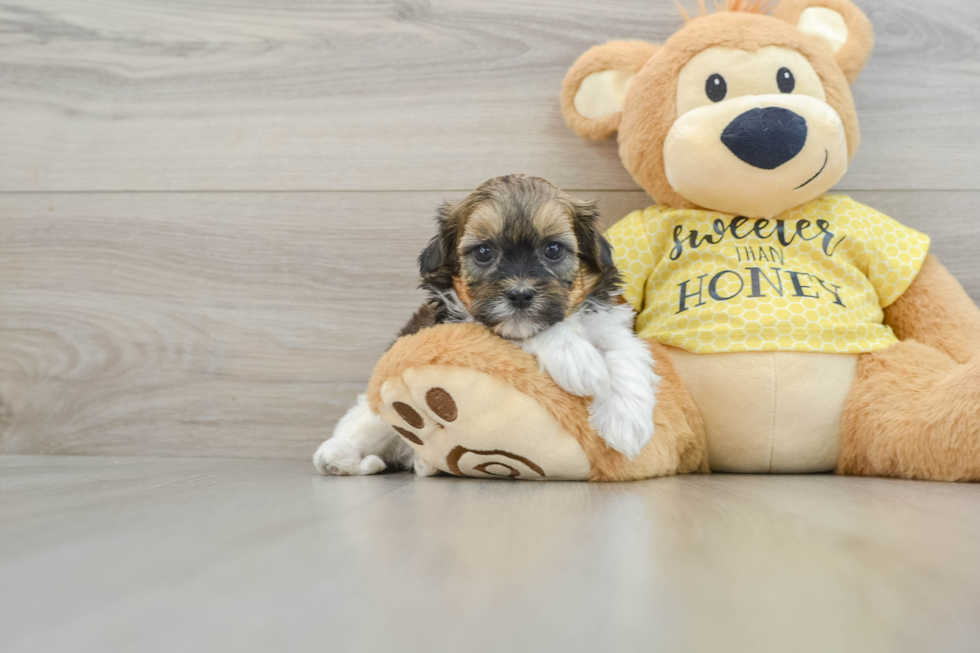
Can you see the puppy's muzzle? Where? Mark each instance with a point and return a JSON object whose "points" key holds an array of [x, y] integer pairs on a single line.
{"points": [[520, 298]]}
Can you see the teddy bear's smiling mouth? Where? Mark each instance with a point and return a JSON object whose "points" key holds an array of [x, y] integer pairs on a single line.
{"points": [[826, 158]]}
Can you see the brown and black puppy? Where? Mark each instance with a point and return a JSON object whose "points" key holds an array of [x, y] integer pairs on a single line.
{"points": [[528, 261], [518, 255]]}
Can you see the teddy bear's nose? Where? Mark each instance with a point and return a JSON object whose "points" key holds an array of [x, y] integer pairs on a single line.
{"points": [[766, 138]]}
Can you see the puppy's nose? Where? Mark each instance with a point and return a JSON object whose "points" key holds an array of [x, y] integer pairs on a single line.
{"points": [[520, 297], [766, 138]]}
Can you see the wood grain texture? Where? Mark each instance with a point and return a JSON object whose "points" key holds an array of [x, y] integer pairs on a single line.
{"points": [[413, 95], [240, 324], [193, 555]]}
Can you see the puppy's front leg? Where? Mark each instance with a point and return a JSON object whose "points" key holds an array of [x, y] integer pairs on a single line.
{"points": [[624, 415], [360, 445], [571, 360], [596, 355]]}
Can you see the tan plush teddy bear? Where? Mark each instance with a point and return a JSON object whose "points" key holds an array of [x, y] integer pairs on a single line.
{"points": [[793, 331]]}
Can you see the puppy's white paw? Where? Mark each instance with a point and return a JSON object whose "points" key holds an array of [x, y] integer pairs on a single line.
{"points": [[572, 361], [371, 465], [583, 372], [565, 353], [624, 423], [340, 458], [423, 468]]}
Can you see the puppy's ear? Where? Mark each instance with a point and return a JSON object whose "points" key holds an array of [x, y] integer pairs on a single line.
{"points": [[594, 249], [439, 260], [430, 260]]}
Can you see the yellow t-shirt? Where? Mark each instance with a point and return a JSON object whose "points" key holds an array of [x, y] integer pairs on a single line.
{"points": [[814, 279]]}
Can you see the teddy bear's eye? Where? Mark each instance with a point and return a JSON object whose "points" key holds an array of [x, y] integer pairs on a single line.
{"points": [[785, 80], [716, 88]]}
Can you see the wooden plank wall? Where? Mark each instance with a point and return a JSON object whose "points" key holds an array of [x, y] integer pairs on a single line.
{"points": [[210, 209]]}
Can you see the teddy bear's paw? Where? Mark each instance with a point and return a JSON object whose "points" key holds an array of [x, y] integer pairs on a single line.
{"points": [[340, 458], [625, 423], [468, 423]]}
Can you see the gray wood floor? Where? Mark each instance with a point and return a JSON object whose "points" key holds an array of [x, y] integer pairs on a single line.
{"points": [[142, 554]]}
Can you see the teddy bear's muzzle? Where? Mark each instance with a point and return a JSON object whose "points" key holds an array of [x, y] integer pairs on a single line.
{"points": [[766, 138], [757, 155]]}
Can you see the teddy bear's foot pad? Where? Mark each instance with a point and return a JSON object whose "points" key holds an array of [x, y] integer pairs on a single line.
{"points": [[468, 423]]}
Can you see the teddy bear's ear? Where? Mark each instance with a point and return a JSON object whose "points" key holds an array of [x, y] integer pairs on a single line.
{"points": [[838, 24], [594, 88]]}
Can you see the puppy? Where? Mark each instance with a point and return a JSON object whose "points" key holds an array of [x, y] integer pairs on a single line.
{"points": [[528, 261]]}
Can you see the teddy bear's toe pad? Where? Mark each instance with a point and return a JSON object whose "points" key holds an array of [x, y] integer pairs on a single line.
{"points": [[468, 423]]}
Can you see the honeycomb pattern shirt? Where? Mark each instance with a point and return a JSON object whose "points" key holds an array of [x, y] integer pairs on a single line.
{"points": [[815, 279]]}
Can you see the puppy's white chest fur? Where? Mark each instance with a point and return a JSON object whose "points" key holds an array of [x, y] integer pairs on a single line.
{"points": [[594, 353]]}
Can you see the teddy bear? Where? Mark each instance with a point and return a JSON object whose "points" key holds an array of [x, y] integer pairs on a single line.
{"points": [[793, 330]]}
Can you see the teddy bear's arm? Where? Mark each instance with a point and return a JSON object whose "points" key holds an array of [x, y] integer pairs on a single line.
{"points": [[936, 311]]}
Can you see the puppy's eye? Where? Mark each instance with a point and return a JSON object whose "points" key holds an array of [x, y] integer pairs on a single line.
{"points": [[554, 251], [483, 254], [785, 80], [716, 88]]}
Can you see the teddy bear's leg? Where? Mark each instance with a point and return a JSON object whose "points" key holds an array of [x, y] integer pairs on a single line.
{"points": [[913, 412], [470, 403], [468, 423]]}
